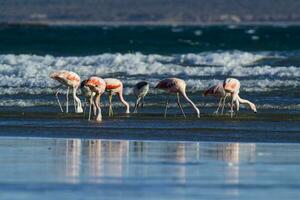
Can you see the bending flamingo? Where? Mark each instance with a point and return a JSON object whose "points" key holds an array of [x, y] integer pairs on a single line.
{"points": [[178, 86], [232, 88], [70, 79], [115, 86], [140, 90], [96, 85], [87, 93]]}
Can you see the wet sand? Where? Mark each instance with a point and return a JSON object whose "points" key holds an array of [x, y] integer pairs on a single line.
{"points": [[247, 127]]}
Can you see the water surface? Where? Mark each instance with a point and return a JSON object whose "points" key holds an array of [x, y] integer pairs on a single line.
{"points": [[35, 168]]}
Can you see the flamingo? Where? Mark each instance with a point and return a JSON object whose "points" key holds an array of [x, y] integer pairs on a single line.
{"points": [[87, 93], [70, 79], [178, 86], [216, 91], [140, 90], [232, 88], [115, 86], [96, 85]]}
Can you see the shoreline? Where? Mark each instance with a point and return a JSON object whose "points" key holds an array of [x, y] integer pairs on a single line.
{"points": [[147, 23]]}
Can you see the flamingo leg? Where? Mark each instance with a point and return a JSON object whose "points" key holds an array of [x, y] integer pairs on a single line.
{"points": [[231, 107], [110, 111], [84, 107], [74, 101], [223, 105], [90, 107], [237, 104], [166, 109], [56, 95], [219, 105], [67, 105], [179, 105]]}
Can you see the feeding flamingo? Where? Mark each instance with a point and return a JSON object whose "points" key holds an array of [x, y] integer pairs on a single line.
{"points": [[140, 90], [96, 85], [115, 86], [70, 79], [87, 93], [232, 88], [178, 86]]}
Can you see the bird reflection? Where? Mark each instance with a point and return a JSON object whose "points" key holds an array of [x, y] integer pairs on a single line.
{"points": [[106, 159], [73, 159], [181, 158], [232, 154], [94, 160]]}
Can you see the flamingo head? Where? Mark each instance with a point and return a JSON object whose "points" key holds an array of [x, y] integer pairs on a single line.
{"points": [[83, 83], [253, 107]]}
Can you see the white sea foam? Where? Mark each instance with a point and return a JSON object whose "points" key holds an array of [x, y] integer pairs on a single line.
{"points": [[29, 73], [228, 59]]}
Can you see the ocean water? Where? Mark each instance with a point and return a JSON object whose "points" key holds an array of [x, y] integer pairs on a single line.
{"points": [[214, 157]]}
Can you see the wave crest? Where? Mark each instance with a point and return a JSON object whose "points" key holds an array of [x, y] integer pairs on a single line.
{"points": [[26, 73]]}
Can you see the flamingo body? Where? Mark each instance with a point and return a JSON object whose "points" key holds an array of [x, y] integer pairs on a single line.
{"points": [[171, 85], [115, 86], [178, 86], [69, 79], [232, 88], [140, 90], [216, 91]]}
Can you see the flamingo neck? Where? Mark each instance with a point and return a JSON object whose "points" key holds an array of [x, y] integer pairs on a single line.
{"points": [[97, 103], [192, 103], [78, 105], [249, 103], [124, 102]]}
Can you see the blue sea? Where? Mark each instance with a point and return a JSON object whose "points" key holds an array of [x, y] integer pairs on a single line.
{"points": [[48, 154]]}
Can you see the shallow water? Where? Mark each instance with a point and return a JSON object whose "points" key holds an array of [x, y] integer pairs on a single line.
{"points": [[35, 168]]}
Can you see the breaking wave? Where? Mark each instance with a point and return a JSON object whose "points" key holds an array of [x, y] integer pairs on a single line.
{"points": [[29, 73]]}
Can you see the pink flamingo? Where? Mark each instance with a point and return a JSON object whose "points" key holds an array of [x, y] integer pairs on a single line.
{"points": [[217, 91], [115, 86], [96, 85], [70, 79], [232, 88], [87, 93], [178, 86]]}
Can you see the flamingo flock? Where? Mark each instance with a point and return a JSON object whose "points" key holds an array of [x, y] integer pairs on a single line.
{"points": [[94, 87]]}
